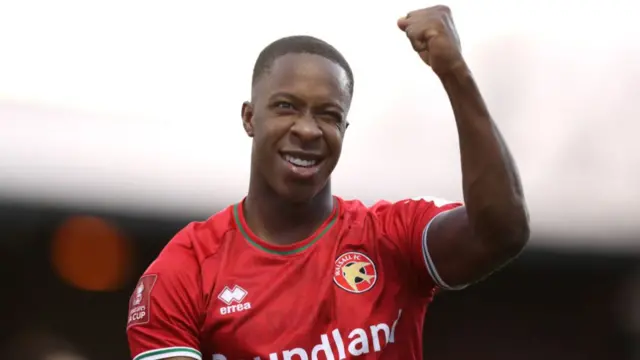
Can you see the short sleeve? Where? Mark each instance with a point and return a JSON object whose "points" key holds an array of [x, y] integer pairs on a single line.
{"points": [[407, 223], [164, 309]]}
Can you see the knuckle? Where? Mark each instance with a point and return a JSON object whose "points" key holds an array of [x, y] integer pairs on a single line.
{"points": [[443, 8]]}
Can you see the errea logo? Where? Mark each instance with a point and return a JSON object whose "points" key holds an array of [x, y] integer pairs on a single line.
{"points": [[229, 296], [233, 298]]}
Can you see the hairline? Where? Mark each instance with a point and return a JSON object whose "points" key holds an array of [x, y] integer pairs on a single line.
{"points": [[268, 69]]}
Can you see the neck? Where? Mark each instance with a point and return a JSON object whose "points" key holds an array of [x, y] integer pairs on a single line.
{"points": [[280, 221]]}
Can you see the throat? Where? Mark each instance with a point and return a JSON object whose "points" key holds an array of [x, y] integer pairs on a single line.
{"points": [[280, 222]]}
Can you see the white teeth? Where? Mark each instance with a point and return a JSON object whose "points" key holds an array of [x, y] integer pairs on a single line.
{"points": [[300, 162]]}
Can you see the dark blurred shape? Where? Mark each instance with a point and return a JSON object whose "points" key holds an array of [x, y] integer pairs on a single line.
{"points": [[545, 305], [40, 346], [91, 254], [628, 310]]}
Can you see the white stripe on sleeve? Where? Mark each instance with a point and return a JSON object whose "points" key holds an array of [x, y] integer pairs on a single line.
{"points": [[431, 268]]}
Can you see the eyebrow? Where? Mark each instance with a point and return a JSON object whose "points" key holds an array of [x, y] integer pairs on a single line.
{"points": [[284, 94]]}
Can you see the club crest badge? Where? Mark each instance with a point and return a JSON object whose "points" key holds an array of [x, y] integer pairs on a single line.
{"points": [[354, 272]]}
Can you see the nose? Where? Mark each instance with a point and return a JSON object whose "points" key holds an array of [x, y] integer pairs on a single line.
{"points": [[306, 129]]}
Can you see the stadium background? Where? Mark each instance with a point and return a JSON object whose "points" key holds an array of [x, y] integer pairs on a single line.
{"points": [[117, 128]]}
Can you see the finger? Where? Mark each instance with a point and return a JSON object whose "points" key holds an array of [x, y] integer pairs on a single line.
{"points": [[418, 40], [430, 34], [403, 23], [452, 29]]}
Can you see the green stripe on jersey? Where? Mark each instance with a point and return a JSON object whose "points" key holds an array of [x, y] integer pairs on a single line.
{"points": [[169, 352], [244, 233]]}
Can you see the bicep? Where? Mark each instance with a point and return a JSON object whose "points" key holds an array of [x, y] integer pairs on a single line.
{"points": [[405, 224], [454, 255]]}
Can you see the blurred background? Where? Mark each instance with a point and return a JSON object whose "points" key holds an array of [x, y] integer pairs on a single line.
{"points": [[119, 124]]}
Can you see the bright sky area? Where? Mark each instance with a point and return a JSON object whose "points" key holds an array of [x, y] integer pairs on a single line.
{"points": [[135, 104]]}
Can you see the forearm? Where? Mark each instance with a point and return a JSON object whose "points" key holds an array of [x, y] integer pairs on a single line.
{"points": [[491, 185]]}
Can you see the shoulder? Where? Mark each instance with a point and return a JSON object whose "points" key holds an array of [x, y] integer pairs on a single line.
{"points": [[399, 219], [196, 242], [356, 209]]}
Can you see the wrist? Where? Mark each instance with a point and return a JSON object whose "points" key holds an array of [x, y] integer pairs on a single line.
{"points": [[458, 71]]}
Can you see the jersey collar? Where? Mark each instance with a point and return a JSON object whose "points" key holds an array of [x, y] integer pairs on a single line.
{"points": [[295, 248]]}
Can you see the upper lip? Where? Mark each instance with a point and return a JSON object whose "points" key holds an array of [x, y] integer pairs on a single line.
{"points": [[303, 155]]}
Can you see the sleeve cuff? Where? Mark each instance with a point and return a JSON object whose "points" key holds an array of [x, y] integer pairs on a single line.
{"points": [[428, 261], [165, 353]]}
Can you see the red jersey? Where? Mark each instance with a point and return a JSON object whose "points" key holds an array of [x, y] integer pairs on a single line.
{"points": [[357, 288]]}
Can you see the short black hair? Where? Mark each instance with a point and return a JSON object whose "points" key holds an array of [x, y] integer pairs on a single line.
{"points": [[299, 44]]}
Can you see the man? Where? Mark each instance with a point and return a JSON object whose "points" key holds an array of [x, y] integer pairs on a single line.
{"points": [[292, 272]]}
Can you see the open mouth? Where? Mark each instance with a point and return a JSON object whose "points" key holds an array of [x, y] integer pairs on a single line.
{"points": [[298, 161], [302, 165]]}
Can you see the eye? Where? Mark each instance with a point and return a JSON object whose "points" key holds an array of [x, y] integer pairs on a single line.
{"points": [[333, 116], [283, 105]]}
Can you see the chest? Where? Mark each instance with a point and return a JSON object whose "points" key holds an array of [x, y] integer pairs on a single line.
{"points": [[343, 297]]}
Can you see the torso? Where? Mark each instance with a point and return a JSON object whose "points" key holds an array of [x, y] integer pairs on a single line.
{"points": [[340, 294]]}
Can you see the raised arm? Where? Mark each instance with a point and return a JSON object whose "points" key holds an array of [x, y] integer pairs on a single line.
{"points": [[468, 243]]}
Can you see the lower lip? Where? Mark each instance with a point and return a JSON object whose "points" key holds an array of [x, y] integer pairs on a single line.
{"points": [[303, 172]]}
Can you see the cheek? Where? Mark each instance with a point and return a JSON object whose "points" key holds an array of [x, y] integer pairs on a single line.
{"points": [[269, 131], [334, 138]]}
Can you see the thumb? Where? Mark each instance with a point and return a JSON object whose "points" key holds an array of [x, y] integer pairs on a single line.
{"points": [[403, 23]]}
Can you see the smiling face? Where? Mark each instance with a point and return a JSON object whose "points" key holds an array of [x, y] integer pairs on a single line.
{"points": [[297, 119]]}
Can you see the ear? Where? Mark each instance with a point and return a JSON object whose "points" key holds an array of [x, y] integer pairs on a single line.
{"points": [[247, 118], [344, 128]]}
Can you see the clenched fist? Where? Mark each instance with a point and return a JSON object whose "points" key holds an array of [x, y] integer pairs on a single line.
{"points": [[434, 37]]}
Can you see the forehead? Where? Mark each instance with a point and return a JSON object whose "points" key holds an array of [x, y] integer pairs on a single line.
{"points": [[308, 76]]}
